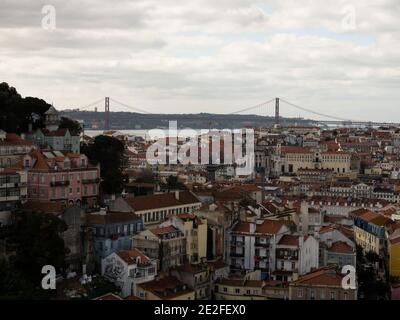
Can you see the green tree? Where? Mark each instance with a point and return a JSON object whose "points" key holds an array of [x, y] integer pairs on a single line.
{"points": [[146, 176], [174, 183], [73, 126], [16, 113], [35, 239], [109, 152], [100, 286]]}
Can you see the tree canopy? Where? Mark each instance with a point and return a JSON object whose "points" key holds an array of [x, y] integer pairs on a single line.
{"points": [[109, 152], [16, 112], [35, 239]]}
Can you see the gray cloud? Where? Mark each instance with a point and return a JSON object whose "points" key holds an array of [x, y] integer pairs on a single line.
{"points": [[207, 55]]}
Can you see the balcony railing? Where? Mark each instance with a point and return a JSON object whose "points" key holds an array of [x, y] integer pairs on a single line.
{"points": [[237, 255], [262, 244], [90, 181], [60, 183], [237, 243]]}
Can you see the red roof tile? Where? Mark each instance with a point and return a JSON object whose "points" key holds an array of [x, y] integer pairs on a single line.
{"points": [[341, 247], [164, 200]]}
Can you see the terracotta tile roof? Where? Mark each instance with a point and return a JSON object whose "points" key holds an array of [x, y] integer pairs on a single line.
{"points": [[7, 171], [241, 283], [133, 298], [111, 217], [268, 227], [44, 206], [57, 133], [131, 256], [40, 163], [395, 241], [289, 149], [164, 230], [322, 277], [164, 200], [341, 247], [166, 288], [192, 268], [218, 264], [289, 240], [13, 139], [109, 296]]}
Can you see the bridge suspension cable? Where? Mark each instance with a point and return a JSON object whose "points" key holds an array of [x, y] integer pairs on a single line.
{"points": [[91, 104], [137, 110], [316, 112], [252, 107]]}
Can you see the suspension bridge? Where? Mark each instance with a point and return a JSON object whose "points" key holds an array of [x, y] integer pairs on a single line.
{"points": [[272, 107]]}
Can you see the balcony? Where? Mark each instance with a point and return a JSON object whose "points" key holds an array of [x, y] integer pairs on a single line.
{"points": [[237, 255], [262, 244], [91, 181], [237, 243], [60, 183]]}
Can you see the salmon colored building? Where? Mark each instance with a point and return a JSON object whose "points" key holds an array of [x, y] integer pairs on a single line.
{"points": [[59, 176]]}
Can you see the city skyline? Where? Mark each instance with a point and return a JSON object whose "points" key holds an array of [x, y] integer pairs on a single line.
{"points": [[205, 56]]}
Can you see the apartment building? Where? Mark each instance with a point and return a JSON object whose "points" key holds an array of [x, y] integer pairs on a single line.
{"points": [[243, 289], [195, 231], [252, 245], [295, 255], [167, 244], [65, 177], [322, 284], [370, 231], [197, 277], [155, 209], [12, 147], [126, 269], [13, 192], [112, 231], [167, 288]]}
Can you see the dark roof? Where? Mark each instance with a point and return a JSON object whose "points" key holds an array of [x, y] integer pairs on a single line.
{"points": [[164, 200], [111, 217], [166, 288]]}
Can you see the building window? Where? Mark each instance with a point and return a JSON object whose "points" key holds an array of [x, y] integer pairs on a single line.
{"points": [[237, 291], [333, 295], [225, 289], [346, 296], [299, 293], [312, 295]]}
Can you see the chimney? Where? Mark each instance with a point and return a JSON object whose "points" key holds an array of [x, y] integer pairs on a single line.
{"points": [[177, 195], [253, 226], [301, 241]]}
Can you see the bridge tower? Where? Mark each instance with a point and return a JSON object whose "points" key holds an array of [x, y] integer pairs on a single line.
{"points": [[277, 120], [107, 114]]}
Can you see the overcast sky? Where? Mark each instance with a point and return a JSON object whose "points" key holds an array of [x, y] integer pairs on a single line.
{"points": [[336, 57]]}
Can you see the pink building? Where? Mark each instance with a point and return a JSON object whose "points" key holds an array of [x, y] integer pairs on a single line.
{"points": [[58, 176]]}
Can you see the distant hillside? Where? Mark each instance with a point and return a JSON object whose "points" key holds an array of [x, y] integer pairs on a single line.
{"points": [[129, 121]]}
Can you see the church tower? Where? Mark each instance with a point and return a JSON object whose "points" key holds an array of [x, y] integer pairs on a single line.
{"points": [[52, 119]]}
